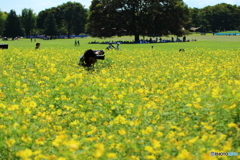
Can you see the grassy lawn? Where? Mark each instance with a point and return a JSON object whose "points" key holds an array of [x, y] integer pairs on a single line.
{"points": [[203, 41]]}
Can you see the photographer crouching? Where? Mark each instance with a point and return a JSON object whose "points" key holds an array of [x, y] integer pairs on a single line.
{"points": [[90, 57]]}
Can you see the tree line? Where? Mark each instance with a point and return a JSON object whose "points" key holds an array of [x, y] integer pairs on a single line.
{"points": [[106, 18], [221, 17], [68, 18]]}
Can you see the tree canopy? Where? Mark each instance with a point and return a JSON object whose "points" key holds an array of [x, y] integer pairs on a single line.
{"points": [[106, 18], [13, 26], [137, 17], [71, 18], [28, 21], [216, 18], [51, 27], [3, 17]]}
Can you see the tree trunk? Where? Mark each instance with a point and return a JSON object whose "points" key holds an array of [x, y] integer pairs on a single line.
{"points": [[68, 29], [136, 38]]}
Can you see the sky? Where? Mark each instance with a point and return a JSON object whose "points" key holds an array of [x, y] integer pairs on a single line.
{"points": [[39, 5]]}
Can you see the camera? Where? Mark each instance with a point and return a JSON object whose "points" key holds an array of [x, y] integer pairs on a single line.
{"points": [[102, 57], [3, 46]]}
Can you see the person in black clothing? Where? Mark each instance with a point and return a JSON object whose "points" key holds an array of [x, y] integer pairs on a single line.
{"points": [[37, 46], [89, 58], [184, 39]]}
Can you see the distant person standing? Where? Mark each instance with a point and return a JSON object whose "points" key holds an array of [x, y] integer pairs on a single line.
{"points": [[184, 39], [78, 43], [117, 47]]}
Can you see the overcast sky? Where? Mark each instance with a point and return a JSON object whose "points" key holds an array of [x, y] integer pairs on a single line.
{"points": [[39, 5]]}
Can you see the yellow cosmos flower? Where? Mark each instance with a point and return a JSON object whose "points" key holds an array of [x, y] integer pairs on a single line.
{"points": [[233, 106], [40, 141], [26, 139], [150, 157], [207, 156], [18, 84], [128, 111], [99, 150], [232, 125], [24, 153], [148, 130], [198, 100], [227, 146], [59, 140], [193, 140], [149, 149], [171, 135], [10, 142], [3, 106], [177, 128], [13, 107], [189, 105], [5, 73], [2, 126], [120, 119], [208, 127], [75, 122], [197, 105], [72, 145], [112, 155], [37, 152], [185, 154], [31, 104], [27, 111], [216, 92], [122, 132], [2, 95], [186, 119], [134, 158], [94, 119]]}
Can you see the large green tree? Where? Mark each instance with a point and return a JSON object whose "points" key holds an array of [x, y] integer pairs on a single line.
{"points": [[41, 18], [28, 21], [51, 28], [220, 17], [71, 17], [215, 18], [195, 19], [3, 17], [137, 17], [204, 19], [13, 25]]}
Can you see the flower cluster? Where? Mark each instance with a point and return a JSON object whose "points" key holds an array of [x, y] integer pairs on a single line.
{"points": [[136, 104]]}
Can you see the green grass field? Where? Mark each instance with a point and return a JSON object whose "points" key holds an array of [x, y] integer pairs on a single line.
{"points": [[137, 104], [205, 41]]}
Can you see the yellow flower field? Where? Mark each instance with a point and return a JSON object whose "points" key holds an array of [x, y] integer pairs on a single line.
{"points": [[135, 105]]}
